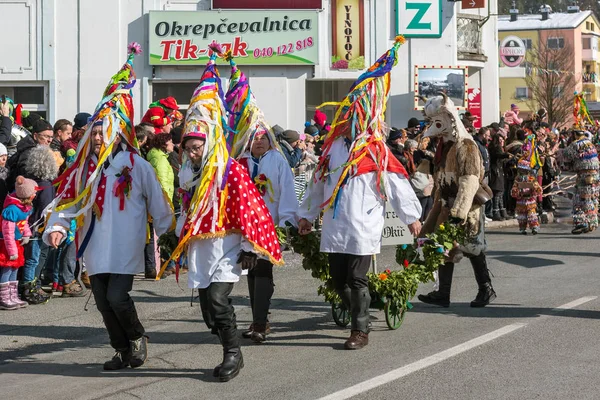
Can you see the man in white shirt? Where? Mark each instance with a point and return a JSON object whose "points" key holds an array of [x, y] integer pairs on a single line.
{"points": [[355, 177], [110, 190]]}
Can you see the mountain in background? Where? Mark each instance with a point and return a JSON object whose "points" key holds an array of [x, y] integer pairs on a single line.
{"points": [[533, 6]]}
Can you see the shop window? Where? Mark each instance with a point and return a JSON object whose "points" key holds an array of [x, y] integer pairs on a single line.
{"points": [[33, 97], [556, 43], [321, 91], [181, 91]]}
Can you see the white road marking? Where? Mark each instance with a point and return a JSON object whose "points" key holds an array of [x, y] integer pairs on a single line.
{"points": [[421, 364], [575, 303]]}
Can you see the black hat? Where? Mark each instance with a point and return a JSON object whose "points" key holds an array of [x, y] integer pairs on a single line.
{"points": [[311, 130], [30, 120], [413, 123], [395, 133], [81, 120], [41, 126]]}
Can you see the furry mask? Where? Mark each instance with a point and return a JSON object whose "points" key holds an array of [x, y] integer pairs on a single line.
{"points": [[444, 119]]}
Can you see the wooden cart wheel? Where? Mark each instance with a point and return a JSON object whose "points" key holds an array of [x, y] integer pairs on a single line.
{"points": [[394, 315], [341, 316]]}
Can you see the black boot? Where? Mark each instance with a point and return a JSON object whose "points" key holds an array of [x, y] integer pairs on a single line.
{"points": [[263, 292], [233, 360], [486, 293], [504, 214], [139, 352], [119, 361], [247, 334], [442, 296], [496, 216], [359, 302]]}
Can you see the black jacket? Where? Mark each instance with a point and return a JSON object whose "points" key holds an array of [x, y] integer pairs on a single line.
{"points": [[5, 131], [497, 160], [397, 150], [16, 164], [42, 199]]}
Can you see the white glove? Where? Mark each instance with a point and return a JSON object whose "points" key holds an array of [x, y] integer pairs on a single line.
{"points": [[14, 257], [25, 240]]}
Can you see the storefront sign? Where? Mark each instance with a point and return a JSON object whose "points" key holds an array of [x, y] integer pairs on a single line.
{"points": [[254, 37], [268, 4], [348, 34], [475, 105], [394, 231], [419, 18], [512, 51]]}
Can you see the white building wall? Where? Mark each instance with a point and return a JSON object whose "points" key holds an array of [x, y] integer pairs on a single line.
{"points": [[79, 44]]}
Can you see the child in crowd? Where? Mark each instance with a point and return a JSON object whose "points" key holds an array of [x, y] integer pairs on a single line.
{"points": [[526, 188], [15, 233]]}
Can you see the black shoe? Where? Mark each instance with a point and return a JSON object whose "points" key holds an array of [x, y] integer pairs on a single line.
{"points": [[119, 361], [504, 214], [139, 352], [435, 298], [247, 334], [233, 361], [217, 371], [497, 217], [484, 297]]}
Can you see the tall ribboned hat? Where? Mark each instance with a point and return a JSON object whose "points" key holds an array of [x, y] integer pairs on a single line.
{"points": [[245, 118], [115, 114], [205, 119], [530, 159], [361, 115]]}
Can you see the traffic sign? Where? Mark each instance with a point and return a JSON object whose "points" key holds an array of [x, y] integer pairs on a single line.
{"points": [[467, 4], [419, 18]]}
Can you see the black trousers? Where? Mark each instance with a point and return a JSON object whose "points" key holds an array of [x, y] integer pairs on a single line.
{"points": [[350, 270], [217, 311], [111, 292]]}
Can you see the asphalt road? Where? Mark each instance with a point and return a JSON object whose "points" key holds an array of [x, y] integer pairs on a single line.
{"points": [[521, 347]]}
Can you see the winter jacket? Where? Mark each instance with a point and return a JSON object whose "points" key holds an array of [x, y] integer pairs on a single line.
{"points": [[160, 162], [485, 156], [14, 223], [396, 150], [293, 155], [43, 169], [511, 118], [497, 159], [5, 130], [17, 163]]}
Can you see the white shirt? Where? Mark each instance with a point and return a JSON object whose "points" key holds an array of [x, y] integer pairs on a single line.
{"points": [[210, 260], [117, 243], [282, 202], [359, 220]]}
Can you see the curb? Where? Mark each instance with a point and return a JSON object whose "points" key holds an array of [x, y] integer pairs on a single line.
{"points": [[513, 222]]}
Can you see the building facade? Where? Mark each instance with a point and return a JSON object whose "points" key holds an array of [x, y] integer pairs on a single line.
{"points": [[62, 53], [576, 32]]}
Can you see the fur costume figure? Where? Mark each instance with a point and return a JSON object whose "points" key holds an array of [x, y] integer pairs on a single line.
{"points": [[458, 175], [526, 188], [583, 154]]}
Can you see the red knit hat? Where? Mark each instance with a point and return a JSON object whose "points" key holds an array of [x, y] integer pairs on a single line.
{"points": [[169, 102], [320, 118]]}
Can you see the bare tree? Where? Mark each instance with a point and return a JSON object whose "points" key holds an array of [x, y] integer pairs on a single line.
{"points": [[550, 78]]}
